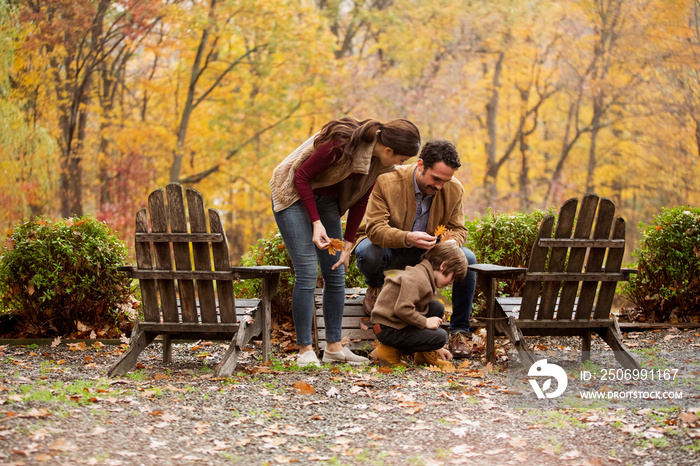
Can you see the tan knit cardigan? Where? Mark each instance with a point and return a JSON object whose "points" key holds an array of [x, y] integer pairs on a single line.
{"points": [[283, 186]]}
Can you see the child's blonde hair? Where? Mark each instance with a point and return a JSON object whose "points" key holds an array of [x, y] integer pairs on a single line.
{"points": [[449, 253]]}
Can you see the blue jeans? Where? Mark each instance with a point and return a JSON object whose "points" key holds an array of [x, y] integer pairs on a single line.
{"points": [[296, 229], [373, 260]]}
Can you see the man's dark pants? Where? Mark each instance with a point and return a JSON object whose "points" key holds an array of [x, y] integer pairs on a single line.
{"points": [[373, 260]]}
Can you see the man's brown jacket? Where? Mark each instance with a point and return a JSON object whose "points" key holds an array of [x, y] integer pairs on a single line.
{"points": [[392, 209]]}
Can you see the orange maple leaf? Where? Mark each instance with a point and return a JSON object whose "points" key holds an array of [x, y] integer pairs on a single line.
{"points": [[336, 245], [442, 233]]}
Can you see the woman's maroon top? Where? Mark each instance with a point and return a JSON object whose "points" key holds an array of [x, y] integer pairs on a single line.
{"points": [[323, 157]]}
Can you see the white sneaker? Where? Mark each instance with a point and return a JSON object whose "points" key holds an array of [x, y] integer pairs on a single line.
{"points": [[308, 359], [345, 355]]}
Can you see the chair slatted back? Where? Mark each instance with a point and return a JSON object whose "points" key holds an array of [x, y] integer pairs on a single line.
{"points": [[576, 264], [179, 261]]}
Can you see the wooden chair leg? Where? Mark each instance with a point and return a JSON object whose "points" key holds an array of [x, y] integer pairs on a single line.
{"points": [[139, 341], [509, 327], [586, 346], [167, 349], [228, 363], [249, 329], [269, 288], [488, 286], [613, 337]]}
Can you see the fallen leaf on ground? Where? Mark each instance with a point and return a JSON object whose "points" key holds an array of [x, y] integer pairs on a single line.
{"points": [[688, 417], [517, 442], [304, 388], [77, 346]]}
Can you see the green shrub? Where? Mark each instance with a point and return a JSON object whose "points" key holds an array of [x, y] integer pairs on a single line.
{"points": [[667, 287], [505, 239], [60, 278], [272, 251]]}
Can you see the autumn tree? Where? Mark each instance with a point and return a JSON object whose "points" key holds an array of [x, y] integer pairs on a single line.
{"points": [[66, 42]]}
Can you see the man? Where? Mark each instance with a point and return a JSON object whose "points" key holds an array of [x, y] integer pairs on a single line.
{"points": [[404, 210]]}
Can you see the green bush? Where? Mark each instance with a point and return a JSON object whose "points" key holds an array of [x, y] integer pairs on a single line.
{"points": [[667, 287], [505, 239], [60, 279], [272, 251]]}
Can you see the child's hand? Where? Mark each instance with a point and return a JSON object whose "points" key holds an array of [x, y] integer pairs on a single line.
{"points": [[433, 323], [444, 354]]}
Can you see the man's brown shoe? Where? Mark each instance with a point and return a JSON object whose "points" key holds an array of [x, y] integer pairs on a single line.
{"points": [[386, 356], [459, 345], [430, 358], [370, 299]]}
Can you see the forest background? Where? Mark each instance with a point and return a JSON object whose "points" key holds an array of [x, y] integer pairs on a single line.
{"points": [[102, 101]]}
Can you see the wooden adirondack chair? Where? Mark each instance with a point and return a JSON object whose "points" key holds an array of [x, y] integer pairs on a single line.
{"points": [[187, 282], [567, 274]]}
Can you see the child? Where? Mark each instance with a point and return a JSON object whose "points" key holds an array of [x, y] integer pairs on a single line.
{"points": [[406, 316]]}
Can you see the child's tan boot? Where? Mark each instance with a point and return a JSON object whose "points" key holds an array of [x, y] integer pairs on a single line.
{"points": [[431, 358], [386, 356]]}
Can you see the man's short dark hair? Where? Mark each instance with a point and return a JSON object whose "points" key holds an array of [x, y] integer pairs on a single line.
{"points": [[440, 150]]}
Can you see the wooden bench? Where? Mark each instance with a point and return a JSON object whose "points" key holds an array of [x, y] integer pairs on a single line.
{"points": [[567, 274], [356, 325], [187, 282]]}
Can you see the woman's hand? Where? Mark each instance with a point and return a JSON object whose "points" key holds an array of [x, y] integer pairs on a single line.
{"points": [[320, 238], [433, 323], [344, 257]]}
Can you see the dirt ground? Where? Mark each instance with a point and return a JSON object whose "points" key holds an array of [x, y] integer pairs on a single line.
{"points": [[58, 407]]}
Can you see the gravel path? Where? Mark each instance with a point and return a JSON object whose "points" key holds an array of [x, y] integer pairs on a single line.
{"points": [[58, 407]]}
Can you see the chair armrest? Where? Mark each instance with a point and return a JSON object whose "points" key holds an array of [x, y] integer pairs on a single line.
{"points": [[258, 271], [128, 269], [628, 272], [498, 271]]}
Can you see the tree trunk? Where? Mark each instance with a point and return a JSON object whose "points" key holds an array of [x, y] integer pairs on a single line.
{"points": [[491, 145], [188, 107], [592, 162], [524, 179]]}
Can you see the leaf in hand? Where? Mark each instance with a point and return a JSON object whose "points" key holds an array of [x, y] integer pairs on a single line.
{"points": [[441, 229], [442, 233], [336, 245]]}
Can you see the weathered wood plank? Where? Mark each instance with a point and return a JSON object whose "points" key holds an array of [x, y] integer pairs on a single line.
{"points": [[604, 221], [181, 251], [202, 256], [584, 227], [538, 261], [159, 224], [190, 327], [224, 288], [581, 243], [144, 260], [575, 277], [182, 275], [179, 238], [606, 293], [572, 323], [557, 258]]}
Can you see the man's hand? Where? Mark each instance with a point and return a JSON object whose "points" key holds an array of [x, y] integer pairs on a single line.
{"points": [[433, 323], [420, 239]]}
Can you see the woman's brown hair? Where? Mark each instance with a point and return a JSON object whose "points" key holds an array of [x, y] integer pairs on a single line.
{"points": [[449, 253], [400, 135]]}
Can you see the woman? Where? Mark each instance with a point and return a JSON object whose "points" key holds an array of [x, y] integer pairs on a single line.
{"points": [[333, 172]]}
